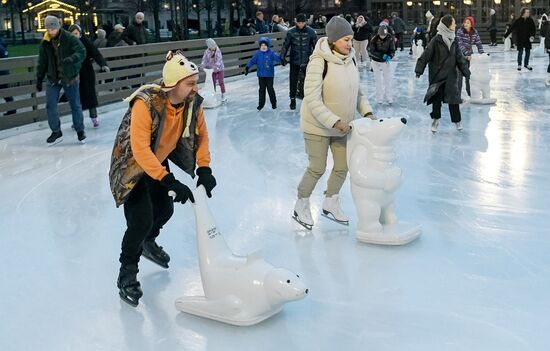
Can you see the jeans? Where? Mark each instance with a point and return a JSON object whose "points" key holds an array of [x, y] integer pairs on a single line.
{"points": [[52, 97], [527, 54], [266, 83], [493, 33]]}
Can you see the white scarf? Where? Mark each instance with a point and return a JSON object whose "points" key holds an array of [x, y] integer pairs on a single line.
{"points": [[447, 34]]}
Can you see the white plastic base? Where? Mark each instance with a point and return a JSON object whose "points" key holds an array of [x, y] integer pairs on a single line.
{"points": [[483, 101], [225, 311], [547, 83], [401, 233]]}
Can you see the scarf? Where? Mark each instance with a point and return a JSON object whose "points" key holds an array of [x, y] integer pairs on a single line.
{"points": [[447, 34]]}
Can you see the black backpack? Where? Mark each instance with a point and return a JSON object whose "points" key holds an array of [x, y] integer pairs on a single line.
{"points": [[326, 67]]}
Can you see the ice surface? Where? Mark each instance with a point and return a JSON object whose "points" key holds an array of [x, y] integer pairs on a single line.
{"points": [[477, 279]]}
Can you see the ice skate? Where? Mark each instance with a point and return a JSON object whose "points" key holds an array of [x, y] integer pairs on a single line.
{"points": [[55, 138], [332, 210], [129, 288], [95, 122], [519, 68], [458, 126], [81, 136], [435, 124], [548, 80], [528, 67], [224, 98], [155, 253], [302, 213], [293, 104]]}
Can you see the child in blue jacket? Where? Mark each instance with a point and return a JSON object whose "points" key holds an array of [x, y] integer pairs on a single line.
{"points": [[265, 60]]}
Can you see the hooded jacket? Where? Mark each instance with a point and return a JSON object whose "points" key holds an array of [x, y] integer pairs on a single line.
{"points": [[336, 97], [264, 60], [101, 41], [524, 29], [72, 54], [301, 43], [213, 59], [467, 40], [379, 47]]}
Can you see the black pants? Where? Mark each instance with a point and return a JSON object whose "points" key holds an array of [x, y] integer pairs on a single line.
{"points": [[266, 82], [527, 55], [437, 101], [548, 69], [399, 37], [297, 78], [493, 34], [146, 210]]}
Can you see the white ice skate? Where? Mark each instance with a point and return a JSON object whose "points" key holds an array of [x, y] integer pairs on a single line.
{"points": [[302, 213], [238, 290], [332, 210], [435, 125], [548, 80]]}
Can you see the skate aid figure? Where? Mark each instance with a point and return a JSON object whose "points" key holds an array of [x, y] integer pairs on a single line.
{"points": [[164, 122]]}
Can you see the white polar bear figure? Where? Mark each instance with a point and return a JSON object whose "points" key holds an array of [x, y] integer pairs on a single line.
{"points": [[508, 43], [239, 290], [539, 51], [417, 49], [208, 93], [374, 178], [480, 80]]}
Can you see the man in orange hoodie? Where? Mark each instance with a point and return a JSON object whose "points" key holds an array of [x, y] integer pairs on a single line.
{"points": [[164, 122]]}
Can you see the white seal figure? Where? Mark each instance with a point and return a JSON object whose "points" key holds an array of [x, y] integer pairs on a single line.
{"points": [[417, 49], [480, 80], [238, 290], [374, 178], [208, 93]]}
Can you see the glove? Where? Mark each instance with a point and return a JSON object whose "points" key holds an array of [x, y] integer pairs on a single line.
{"points": [[67, 60], [105, 69], [531, 39], [418, 76], [206, 179], [246, 71], [38, 85], [386, 58], [183, 193], [283, 61]]}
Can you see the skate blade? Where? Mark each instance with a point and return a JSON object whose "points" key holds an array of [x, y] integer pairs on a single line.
{"points": [[128, 300], [305, 225], [55, 142], [159, 263], [331, 217]]}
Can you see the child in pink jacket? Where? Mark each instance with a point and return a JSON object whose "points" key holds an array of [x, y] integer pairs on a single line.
{"points": [[212, 58]]}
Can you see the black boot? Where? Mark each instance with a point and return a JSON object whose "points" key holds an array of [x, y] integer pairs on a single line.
{"points": [[129, 288], [292, 103], [155, 253], [55, 138]]}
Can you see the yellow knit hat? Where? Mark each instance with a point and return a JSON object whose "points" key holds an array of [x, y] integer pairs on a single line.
{"points": [[176, 68]]}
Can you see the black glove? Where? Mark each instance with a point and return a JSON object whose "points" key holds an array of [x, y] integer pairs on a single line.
{"points": [[283, 61], [183, 193], [38, 85], [246, 71], [206, 179], [418, 76]]}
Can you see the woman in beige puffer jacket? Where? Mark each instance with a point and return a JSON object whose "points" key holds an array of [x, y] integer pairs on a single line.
{"points": [[331, 99]]}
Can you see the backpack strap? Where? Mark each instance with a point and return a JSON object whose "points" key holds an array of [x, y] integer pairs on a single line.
{"points": [[326, 67]]}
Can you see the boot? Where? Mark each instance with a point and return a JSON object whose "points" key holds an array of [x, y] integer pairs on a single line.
{"points": [[155, 253], [129, 288], [548, 80], [302, 213], [292, 103], [458, 126], [435, 124], [95, 122], [332, 209], [55, 138]]}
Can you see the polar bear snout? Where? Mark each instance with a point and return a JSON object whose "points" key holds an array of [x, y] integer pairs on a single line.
{"points": [[404, 120]]}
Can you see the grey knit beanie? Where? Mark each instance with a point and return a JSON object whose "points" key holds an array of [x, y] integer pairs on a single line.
{"points": [[52, 22], [210, 43], [338, 28]]}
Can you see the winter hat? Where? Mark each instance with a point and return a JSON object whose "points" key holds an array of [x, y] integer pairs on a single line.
{"points": [[52, 22], [119, 26], [101, 34], [210, 43], [140, 14], [471, 19], [382, 30], [77, 27], [301, 18], [338, 28], [492, 12]]}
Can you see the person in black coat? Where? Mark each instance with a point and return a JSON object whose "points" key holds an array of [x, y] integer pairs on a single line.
{"points": [[300, 40], [493, 27], [443, 59], [525, 30], [88, 95], [4, 54]]}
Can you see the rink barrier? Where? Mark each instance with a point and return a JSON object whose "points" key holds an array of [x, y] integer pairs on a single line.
{"points": [[130, 65]]}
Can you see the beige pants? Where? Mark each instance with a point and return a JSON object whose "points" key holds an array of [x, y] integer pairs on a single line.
{"points": [[317, 151], [361, 51]]}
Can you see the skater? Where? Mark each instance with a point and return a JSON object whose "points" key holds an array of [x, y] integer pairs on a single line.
{"points": [[381, 51], [300, 40], [60, 57], [164, 122], [525, 30], [212, 58], [332, 96], [361, 34], [88, 95], [418, 34], [545, 30], [265, 60], [399, 29], [4, 54], [444, 59], [492, 27], [467, 38]]}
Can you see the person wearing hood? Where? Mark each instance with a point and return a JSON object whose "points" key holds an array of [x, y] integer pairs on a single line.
{"points": [[492, 27], [101, 41], [382, 51], [525, 30], [136, 32], [545, 33], [212, 58], [429, 19], [467, 38], [332, 98], [361, 33], [4, 54], [265, 60], [60, 57], [88, 94], [444, 59], [399, 29]]}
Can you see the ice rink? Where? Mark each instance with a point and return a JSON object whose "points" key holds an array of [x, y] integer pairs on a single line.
{"points": [[477, 279]]}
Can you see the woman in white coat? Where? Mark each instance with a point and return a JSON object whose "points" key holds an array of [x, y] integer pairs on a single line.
{"points": [[331, 99]]}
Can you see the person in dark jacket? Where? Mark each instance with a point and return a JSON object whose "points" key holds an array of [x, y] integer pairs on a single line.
{"points": [[246, 29], [361, 34], [4, 54], [118, 37], [136, 32], [545, 32], [265, 60], [493, 27], [399, 29], [274, 25], [444, 59], [525, 30], [88, 95], [60, 57], [260, 25], [382, 51], [300, 40], [417, 34], [101, 41], [467, 38]]}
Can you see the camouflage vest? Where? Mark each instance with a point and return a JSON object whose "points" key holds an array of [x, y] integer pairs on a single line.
{"points": [[125, 172]]}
